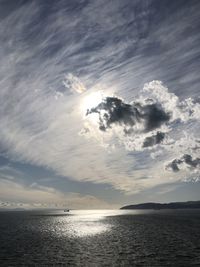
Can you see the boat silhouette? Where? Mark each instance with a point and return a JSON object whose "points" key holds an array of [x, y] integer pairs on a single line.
{"points": [[66, 210]]}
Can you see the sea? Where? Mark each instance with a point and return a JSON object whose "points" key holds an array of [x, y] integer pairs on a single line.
{"points": [[100, 238]]}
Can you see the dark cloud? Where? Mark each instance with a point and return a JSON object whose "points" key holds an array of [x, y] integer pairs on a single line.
{"points": [[173, 166], [187, 159], [154, 139], [113, 110], [191, 162], [154, 116]]}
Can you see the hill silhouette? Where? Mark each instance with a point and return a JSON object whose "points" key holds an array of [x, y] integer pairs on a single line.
{"points": [[172, 205]]}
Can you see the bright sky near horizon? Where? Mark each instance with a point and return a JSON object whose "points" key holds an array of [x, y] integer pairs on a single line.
{"points": [[99, 102]]}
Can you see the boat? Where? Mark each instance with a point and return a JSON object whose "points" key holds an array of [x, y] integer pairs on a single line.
{"points": [[66, 210]]}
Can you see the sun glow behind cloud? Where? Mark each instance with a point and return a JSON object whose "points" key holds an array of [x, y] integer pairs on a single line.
{"points": [[91, 100]]}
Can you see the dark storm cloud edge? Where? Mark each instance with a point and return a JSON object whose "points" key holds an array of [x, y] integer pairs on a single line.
{"points": [[176, 164], [113, 111]]}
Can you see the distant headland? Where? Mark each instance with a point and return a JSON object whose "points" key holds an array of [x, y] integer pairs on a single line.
{"points": [[157, 206]]}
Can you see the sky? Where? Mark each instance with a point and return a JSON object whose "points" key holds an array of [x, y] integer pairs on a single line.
{"points": [[99, 103]]}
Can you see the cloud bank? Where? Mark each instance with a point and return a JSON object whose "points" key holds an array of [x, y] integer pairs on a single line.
{"points": [[16, 195]]}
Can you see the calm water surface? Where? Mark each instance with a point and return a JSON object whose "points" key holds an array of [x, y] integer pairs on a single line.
{"points": [[100, 238]]}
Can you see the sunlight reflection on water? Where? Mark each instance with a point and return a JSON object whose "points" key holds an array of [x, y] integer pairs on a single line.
{"points": [[82, 223]]}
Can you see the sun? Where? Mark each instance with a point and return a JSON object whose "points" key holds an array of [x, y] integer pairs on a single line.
{"points": [[91, 100]]}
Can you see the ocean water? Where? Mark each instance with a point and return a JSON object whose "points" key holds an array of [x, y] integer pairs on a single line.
{"points": [[100, 238]]}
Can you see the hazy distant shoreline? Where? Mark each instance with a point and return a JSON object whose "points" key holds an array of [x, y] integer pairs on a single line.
{"points": [[172, 205]]}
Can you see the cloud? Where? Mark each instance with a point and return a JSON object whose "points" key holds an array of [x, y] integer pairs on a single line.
{"points": [[157, 153], [113, 110], [44, 131], [150, 120], [154, 139], [173, 165], [35, 196], [40, 120], [153, 123], [73, 84], [186, 160]]}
